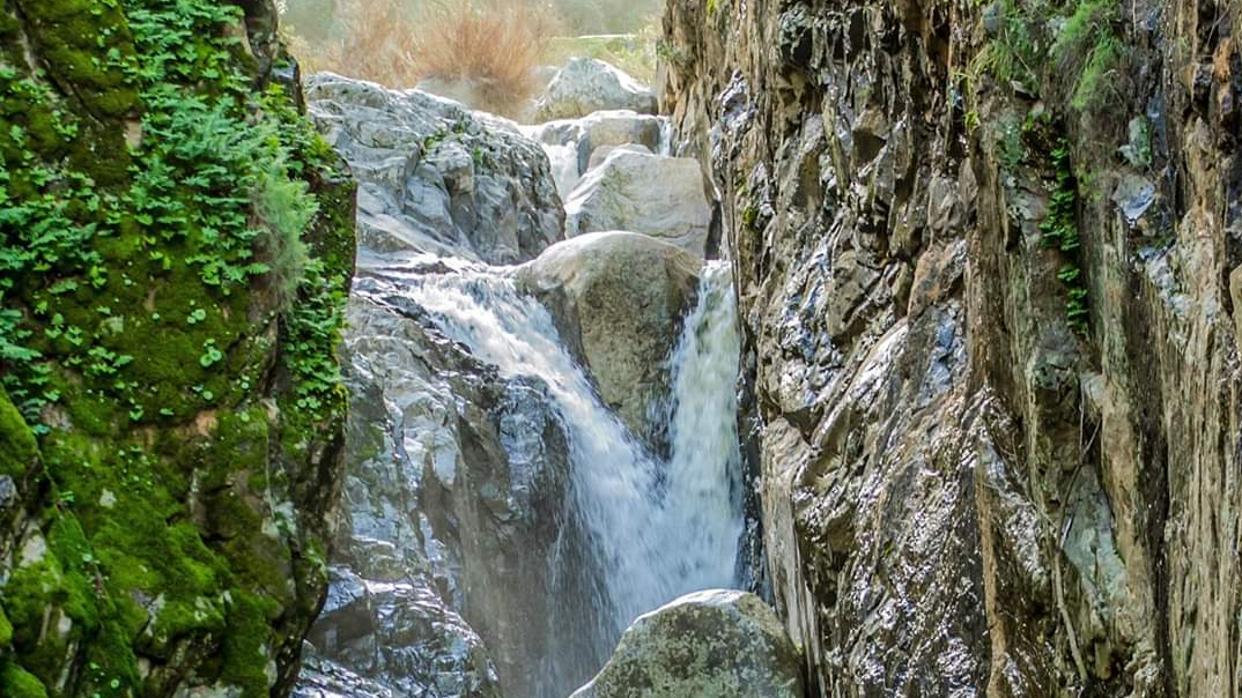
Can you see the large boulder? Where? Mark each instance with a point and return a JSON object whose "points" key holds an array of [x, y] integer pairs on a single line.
{"points": [[632, 190], [587, 85], [435, 177], [619, 299], [710, 644]]}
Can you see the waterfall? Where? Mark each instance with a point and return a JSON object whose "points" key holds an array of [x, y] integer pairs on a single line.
{"points": [[701, 508], [661, 527]]}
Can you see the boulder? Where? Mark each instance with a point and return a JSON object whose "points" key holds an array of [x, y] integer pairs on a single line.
{"points": [[587, 85], [650, 194], [435, 177], [577, 145], [394, 638], [710, 644], [619, 299]]}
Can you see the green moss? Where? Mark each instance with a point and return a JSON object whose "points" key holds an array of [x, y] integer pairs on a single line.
{"points": [[16, 682], [17, 445], [245, 657], [6, 630], [155, 292], [84, 43]]}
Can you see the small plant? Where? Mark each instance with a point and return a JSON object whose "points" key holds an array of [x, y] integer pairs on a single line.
{"points": [[1094, 84], [1060, 231]]}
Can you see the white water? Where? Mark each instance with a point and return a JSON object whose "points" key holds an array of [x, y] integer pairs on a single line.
{"points": [[661, 529]]}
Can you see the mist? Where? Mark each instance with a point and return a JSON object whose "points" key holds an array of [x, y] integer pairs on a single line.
{"points": [[317, 19]]}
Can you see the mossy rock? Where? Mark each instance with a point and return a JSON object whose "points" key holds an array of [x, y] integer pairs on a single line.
{"points": [[176, 245]]}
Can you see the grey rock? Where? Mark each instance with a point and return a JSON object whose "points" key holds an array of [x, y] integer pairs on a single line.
{"points": [[710, 644], [435, 177], [452, 508], [577, 145], [658, 196], [619, 299], [587, 85]]}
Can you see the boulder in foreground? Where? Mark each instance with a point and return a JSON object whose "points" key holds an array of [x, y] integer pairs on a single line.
{"points": [[710, 644]]}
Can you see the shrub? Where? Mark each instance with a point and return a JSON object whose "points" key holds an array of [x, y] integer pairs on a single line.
{"points": [[493, 48], [489, 49], [367, 39]]}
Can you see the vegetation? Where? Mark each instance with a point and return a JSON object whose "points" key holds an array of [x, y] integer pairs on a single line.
{"points": [[1071, 43], [484, 52], [493, 48], [1060, 231], [174, 253]]}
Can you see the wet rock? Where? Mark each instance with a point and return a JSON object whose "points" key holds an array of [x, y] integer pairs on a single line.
{"points": [[587, 85], [658, 196], [711, 644], [435, 177], [453, 505], [988, 465], [619, 298]]}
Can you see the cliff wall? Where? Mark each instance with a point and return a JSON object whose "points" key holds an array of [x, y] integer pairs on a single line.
{"points": [[988, 262]]}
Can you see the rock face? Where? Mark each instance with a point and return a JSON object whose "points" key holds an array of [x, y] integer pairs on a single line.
{"points": [[991, 332], [454, 572], [587, 85], [436, 178], [619, 299], [177, 245], [644, 193], [454, 477], [710, 644]]}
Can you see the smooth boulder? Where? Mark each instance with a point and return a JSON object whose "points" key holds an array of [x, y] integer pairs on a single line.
{"points": [[710, 644], [631, 190], [587, 85], [619, 300]]}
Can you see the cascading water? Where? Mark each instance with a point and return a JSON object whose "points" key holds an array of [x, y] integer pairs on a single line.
{"points": [[660, 527]]}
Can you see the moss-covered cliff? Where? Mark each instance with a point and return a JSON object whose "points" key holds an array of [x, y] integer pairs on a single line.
{"points": [[175, 249], [989, 266]]}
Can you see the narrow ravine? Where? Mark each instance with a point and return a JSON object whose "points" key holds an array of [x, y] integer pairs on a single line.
{"points": [[553, 425]]}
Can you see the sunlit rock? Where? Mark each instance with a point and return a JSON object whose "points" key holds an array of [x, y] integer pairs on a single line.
{"points": [[710, 644], [658, 196], [587, 85], [619, 299]]}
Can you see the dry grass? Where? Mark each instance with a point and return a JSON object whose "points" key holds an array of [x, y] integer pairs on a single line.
{"points": [[492, 48], [488, 50], [370, 39]]}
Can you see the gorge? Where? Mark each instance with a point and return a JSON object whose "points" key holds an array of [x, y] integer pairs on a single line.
{"points": [[880, 348]]}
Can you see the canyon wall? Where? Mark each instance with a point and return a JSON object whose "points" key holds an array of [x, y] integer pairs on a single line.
{"points": [[988, 259]]}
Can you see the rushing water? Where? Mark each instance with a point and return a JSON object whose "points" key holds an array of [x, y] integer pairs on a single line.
{"points": [[661, 528]]}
